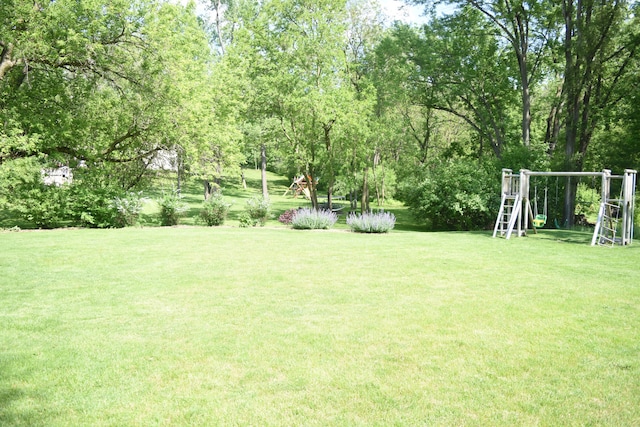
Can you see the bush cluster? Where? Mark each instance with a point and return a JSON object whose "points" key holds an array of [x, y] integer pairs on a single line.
{"points": [[214, 210], [311, 219], [379, 222], [458, 195]]}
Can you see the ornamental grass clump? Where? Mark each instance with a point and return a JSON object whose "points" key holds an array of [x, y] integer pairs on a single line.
{"points": [[312, 219], [379, 222]]}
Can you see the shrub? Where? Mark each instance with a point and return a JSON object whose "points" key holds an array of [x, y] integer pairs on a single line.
{"points": [[23, 192], [214, 210], [458, 195], [311, 219], [287, 216], [379, 222], [128, 208], [171, 208], [258, 209], [93, 207], [245, 220]]}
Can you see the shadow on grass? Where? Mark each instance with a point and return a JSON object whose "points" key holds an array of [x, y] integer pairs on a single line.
{"points": [[576, 237]]}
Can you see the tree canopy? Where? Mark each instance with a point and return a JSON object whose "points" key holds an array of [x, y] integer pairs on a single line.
{"points": [[329, 89]]}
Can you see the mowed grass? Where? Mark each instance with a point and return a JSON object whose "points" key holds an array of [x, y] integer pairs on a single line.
{"points": [[275, 327]]}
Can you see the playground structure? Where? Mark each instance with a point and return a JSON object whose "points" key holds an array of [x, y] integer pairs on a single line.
{"points": [[615, 216], [299, 186]]}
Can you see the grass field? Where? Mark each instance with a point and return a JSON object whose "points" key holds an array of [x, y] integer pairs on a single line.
{"points": [[276, 327]]}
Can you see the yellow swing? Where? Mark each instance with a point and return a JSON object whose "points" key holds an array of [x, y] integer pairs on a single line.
{"points": [[540, 219]]}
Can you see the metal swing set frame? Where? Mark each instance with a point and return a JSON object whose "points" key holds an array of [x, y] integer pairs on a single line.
{"points": [[615, 216]]}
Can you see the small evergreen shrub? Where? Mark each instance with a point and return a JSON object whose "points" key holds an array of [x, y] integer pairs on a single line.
{"points": [[128, 208], [171, 208], [214, 210], [379, 222], [258, 209], [311, 219], [287, 216]]}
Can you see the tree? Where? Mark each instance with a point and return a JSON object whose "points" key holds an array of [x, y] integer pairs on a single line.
{"points": [[599, 45], [298, 73], [105, 86], [527, 26], [459, 67]]}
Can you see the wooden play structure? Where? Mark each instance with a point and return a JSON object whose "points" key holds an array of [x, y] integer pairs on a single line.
{"points": [[299, 186], [615, 216]]}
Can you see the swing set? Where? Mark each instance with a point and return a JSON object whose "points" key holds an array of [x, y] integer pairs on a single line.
{"points": [[540, 219], [615, 216]]}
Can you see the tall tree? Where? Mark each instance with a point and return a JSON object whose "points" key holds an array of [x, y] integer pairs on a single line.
{"points": [[461, 68], [599, 46], [527, 26], [298, 70], [99, 83]]}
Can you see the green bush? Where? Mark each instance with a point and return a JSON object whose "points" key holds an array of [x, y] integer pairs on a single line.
{"points": [[93, 200], [92, 206], [171, 208], [379, 222], [258, 209], [214, 210], [459, 195], [128, 208], [245, 220], [23, 192], [312, 219]]}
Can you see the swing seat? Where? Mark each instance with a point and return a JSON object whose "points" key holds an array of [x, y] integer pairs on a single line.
{"points": [[539, 221]]}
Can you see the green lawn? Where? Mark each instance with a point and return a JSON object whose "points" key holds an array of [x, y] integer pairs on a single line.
{"points": [[276, 327]]}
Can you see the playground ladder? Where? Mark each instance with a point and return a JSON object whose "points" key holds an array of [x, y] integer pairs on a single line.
{"points": [[608, 220], [510, 207]]}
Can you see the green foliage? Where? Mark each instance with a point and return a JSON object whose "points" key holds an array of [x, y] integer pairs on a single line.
{"points": [[92, 198], [128, 208], [245, 220], [93, 207], [258, 209], [214, 210], [171, 208], [23, 192], [312, 219], [378, 222], [460, 195]]}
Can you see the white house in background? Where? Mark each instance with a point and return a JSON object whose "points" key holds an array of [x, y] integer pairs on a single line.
{"points": [[166, 160], [57, 176]]}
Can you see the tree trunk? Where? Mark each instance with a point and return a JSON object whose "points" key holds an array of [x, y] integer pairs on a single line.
{"points": [[263, 160], [570, 191], [353, 200], [526, 108], [364, 201], [208, 189], [313, 191]]}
